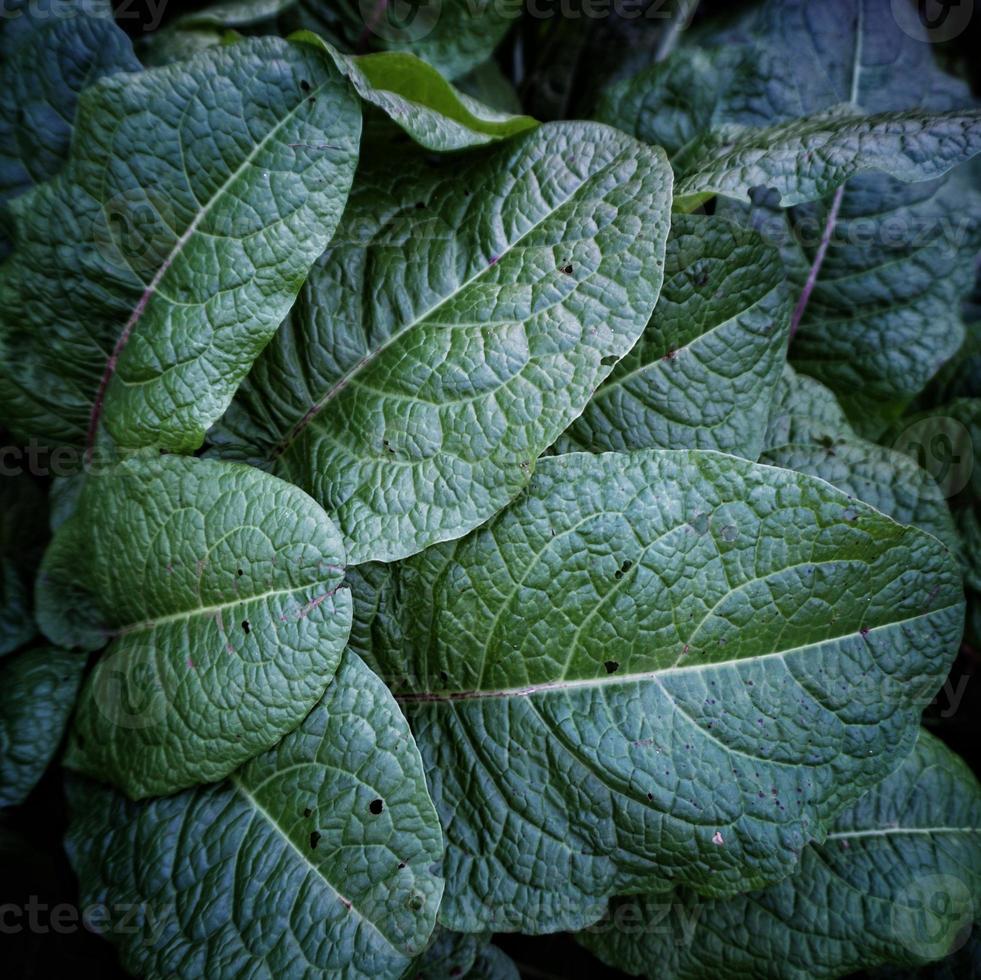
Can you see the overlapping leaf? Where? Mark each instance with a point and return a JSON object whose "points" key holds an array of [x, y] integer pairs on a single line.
{"points": [[895, 882], [149, 274], [319, 858], [703, 373], [37, 693], [809, 433], [218, 589], [463, 317], [658, 668]]}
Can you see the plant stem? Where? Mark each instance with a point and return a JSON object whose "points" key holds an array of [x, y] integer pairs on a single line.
{"points": [[815, 270], [682, 18]]}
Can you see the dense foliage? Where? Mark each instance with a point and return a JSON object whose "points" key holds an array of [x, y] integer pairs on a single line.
{"points": [[471, 471]]}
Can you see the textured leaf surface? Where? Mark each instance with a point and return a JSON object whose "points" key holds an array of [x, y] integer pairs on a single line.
{"points": [[315, 859], [22, 531], [806, 159], [37, 693], [895, 882], [596, 714], [704, 371], [150, 273], [48, 57], [808, 433], [417, 98], [463, 317], [453, 35], [218, 589]]}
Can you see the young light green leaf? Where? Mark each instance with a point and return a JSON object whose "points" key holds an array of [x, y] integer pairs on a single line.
{"points": [[412, 389], [703, 373], [806, 159], [595, 713], [23, 519], [808, 433], [453, 36], [150, 273], [47, 56], [315, 859], [417, 98], [37, 693], [218, 589], [895, 882]]}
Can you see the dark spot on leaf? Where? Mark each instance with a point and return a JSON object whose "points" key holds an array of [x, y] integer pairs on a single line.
{"points": [[415, 902], [670, 356], [401, 865], [419, 205], [611, 666], [376, 806], [240, 572], [305, 85], [246, 626], [314, 839], [609, 360], [864, 631], [307, 811], [567, 270], [650, 796]]}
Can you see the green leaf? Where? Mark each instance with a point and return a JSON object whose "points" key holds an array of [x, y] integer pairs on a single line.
{"points": [[315, 859], [895, 882], [947, 441], [48, 57], [150, 273], [23, 519], [37, 693], [806, 159], [417, 98], [412, 389], [650, 653], [218, 589], [703, 373], [887, 479], [451, 954], [453, 36]]}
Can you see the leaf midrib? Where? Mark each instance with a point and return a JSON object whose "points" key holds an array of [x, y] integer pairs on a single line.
{"points": [[341, 383], [550, 687], [261, 811]]}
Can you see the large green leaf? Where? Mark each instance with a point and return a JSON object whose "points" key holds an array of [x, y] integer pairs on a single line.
{"points": [[463, 317], [314, 860], [808, 433], [37, 693], [806, 159], [895, 882], [150, 273], [23, 519], [218, 589], [452, 35], [46, 58], [659, 668], [417, 98], [704, 371]]}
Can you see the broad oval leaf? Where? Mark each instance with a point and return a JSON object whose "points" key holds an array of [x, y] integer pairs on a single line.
{"points": [[218, 590], [895, 882], [315, 859], [808, 433], [806, 159], [412, 388], [150, 273], [48, 57], [37, 693], [704, 371], [660, 668], [419, 100]]}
